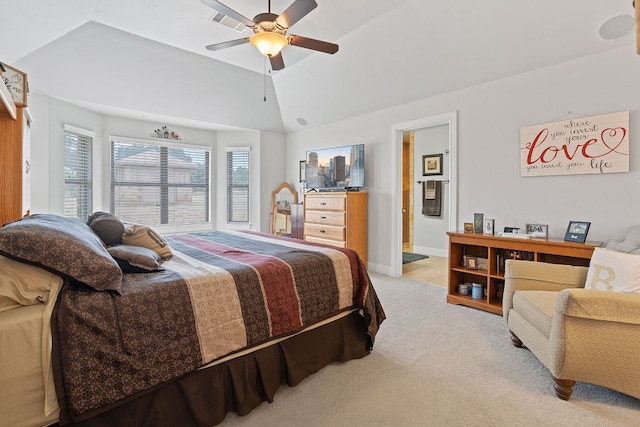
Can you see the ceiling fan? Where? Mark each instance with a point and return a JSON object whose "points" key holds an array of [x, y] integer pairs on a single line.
{"points": [[270, 31]]}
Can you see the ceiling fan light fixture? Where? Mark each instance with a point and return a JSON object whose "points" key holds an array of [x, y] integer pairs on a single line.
{"points": [[269, 43]]}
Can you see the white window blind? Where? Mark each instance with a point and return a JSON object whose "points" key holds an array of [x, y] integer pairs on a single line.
{"points": [[238, 185], [159, 183], [77, 172]]}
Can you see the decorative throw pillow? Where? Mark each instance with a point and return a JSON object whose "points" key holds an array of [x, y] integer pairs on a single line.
{"points": [[135, 259], [107, 226], [65, 246], [626, 240], [24, 284], [141, 235], [615, 271]]}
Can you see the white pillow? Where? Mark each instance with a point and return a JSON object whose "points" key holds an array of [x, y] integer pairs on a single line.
{"points": [[615, 271]]}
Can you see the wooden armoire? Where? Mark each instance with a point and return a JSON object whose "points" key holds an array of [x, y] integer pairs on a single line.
{"points": [[14, 158]]}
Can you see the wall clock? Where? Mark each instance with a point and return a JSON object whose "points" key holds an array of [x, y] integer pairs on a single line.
{"points": [[16, 83]]}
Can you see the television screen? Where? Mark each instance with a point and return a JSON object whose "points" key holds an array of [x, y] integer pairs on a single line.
{"points": [[336, 168]]}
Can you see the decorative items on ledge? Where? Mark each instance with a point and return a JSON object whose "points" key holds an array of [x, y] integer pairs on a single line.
{"points": [[13, 89], [16, 83], [165, 133]]}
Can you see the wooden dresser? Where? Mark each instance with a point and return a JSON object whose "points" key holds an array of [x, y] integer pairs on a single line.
{"points": [[337, 219]]}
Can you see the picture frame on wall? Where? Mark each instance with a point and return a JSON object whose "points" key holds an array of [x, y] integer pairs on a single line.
{"points": [[577, 231], [301, 173], [537, 230], [432, 164]]}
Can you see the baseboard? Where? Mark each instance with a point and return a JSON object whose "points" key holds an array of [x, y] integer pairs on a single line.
{"points": [[422, 250], [379, 268]]}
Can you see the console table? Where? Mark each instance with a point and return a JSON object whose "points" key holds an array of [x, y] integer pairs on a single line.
{"points": [[478, 258]]}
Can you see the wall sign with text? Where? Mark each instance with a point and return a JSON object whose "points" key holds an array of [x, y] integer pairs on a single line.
{"points": [[587, 145]]}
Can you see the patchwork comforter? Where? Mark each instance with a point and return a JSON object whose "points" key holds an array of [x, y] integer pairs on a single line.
{"points": [[222, 292]]}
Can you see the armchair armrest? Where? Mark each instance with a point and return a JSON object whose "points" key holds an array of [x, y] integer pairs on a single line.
{"points": [[599, 305], [595, 337], [538, 276]]}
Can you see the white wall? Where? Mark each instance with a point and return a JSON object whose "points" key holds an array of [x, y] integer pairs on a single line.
{"points": [[100, 65], [272, 157], [489, 120], [429, 232]]}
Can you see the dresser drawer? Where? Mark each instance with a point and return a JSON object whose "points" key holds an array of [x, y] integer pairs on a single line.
{"points": [[324, 231], [325, 217], [337, 243], [334, 203]]}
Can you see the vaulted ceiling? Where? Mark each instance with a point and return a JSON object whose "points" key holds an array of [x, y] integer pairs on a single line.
{"points": [[391, 52]]}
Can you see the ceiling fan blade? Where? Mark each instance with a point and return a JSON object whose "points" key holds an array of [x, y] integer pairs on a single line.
{"points": [[216, 5], [313, 44], [295, 12], [277, 63], [230, 43]]}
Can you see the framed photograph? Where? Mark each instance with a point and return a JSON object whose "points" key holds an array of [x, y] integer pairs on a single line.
{"points": [[488, 226], [537, 230], [432, 164], [301, 173], [513, 230], [468, 227], [478, 222], [471, 263], [577, 231], [16, 83]]}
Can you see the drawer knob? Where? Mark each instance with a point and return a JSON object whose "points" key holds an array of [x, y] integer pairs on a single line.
{"points": [[323, 217], [322, 231], [323, 204]]}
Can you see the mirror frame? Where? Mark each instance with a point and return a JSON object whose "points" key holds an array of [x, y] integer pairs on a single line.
{"points": [[274, 205]]}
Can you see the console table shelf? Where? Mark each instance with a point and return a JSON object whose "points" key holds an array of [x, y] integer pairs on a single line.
{"points": [[487, 269]]}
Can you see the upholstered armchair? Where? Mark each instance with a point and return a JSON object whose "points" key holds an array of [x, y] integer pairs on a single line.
{"points": [[579, 334]]}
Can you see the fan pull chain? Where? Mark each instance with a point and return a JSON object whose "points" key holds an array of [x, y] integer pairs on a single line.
{"points": [[265, 79]]}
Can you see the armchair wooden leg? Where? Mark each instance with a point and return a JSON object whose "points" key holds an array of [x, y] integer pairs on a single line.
{"points": [[564, 388], [515, 340]]}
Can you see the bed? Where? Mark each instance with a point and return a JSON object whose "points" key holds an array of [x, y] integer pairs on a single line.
{"points": [[206, 324]]}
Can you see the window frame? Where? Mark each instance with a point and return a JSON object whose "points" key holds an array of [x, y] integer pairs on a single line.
{"points": [[87, 180], [232, 187], [165, 145]]}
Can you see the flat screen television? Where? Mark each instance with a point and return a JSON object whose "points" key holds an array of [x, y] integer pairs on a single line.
{"points": [[335, 169]]}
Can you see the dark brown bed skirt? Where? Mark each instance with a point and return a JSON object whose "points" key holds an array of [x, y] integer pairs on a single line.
{"points": [[204, 397]]}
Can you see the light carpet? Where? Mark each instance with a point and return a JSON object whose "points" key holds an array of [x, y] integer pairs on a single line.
{"points": [[437, 364]]}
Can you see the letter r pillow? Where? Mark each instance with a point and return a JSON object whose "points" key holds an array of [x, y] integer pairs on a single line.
{"points": [[615, 271]]}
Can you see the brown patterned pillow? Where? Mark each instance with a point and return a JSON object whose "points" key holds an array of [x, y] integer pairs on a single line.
{"points": [[65, 246], [135, 259], [107, 226]]}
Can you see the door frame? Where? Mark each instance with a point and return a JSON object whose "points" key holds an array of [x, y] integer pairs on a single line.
{"points": [[450, 119]]}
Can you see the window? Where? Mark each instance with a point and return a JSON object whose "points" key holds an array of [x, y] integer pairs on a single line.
{"points": [[238, 184], [77, 172], [159, 183]]}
